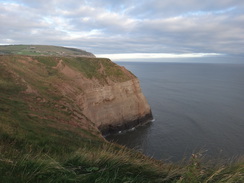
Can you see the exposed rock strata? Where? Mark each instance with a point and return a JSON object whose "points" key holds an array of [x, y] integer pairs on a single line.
{"points": [[117, 107], [112, 107]]}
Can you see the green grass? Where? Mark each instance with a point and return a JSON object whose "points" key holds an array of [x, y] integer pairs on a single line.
{"points": [[48, 61], [41, 141], [42, 50], [110, 163], [99, 68]]}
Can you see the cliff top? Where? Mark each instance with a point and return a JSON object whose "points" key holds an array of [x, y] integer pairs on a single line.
{"points": [[43, 50]]}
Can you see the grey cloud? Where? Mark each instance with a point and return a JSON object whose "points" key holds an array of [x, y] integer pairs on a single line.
{"points": [[168, 8], [127, 26]]}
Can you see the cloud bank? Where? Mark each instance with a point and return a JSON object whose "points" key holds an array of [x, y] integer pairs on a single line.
{"points": [[152, 27], [132, 56]]}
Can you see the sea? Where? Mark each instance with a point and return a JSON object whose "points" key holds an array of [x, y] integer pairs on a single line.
{"points": [[198, 108]]}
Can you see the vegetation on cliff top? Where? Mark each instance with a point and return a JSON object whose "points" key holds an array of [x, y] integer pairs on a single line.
{"points": [[44, 137], [99, 68]]}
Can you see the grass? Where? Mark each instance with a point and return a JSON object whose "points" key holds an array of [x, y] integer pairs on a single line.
{"points": [[42, 50], [80, 166], [101, 69], [111, 163], [41, 139]]}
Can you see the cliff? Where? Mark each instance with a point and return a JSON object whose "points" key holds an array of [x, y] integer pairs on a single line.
{"points": [[111, 104], [98, 93], [116, 107]]}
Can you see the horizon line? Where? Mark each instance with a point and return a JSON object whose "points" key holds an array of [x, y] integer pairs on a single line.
{"points": [[133, 56]]}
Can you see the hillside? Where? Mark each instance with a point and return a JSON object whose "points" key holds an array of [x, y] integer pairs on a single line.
{"points": [[49, 130], [42, 50]]}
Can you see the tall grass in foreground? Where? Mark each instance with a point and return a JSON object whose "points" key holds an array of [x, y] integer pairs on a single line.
{"points": [[196, 169], [111, 163]]}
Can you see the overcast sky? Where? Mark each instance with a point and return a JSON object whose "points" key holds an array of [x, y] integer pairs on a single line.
{"points": [[156, 28]]}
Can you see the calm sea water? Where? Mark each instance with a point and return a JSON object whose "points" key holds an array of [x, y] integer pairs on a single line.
{"points": [[197, 107]]}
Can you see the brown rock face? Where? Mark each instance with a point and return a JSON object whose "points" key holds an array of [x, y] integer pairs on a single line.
{"points": [[117, 107], [113, 106]]}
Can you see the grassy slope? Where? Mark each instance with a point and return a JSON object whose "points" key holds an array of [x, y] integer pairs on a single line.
{"points": [[38, 50], [41, 141]]}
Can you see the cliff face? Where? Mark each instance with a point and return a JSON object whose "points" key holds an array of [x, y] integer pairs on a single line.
{"points": [[116, 107], [97, 92], [111, 105]]}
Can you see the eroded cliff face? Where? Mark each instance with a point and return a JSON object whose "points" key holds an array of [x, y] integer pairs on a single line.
{"points": [[95, 90], [117, 106], [112, 106]]}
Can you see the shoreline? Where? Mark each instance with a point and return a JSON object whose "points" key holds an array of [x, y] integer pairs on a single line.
{"points": [[110, 129]]}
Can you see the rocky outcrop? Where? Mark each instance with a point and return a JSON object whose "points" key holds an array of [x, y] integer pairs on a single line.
{"points": [[113, 106], [116, 107]]}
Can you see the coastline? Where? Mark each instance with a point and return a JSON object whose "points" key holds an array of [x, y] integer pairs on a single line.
{"points": [[110, 129]]}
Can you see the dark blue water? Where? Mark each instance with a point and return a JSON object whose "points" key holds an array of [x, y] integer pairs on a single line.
{"points": [[197, 107]]}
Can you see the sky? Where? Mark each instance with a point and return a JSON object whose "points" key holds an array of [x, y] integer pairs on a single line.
{"points": [[128, 29]]}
